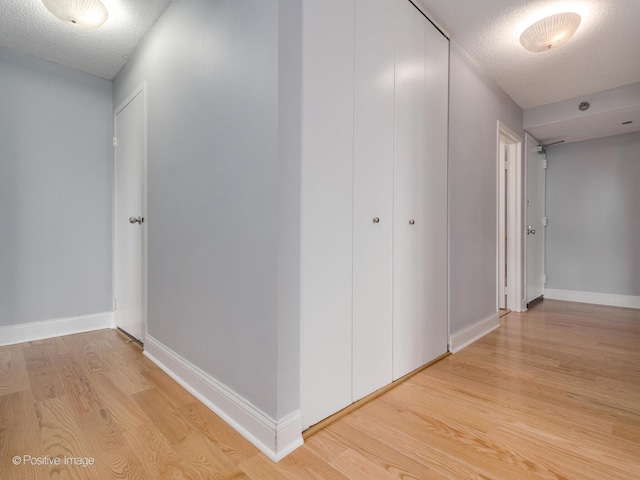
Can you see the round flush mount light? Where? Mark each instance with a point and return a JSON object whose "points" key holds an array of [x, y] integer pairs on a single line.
{"points": [[86, 14], [550, 32]]}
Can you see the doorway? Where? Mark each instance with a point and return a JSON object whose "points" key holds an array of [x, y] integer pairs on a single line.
{"points": [[129, 276], [510, 268], [536, 220]]}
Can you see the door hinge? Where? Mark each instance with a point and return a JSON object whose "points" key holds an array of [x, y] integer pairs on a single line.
{"points": [[545, 163], [115, 142], [544, 221], [115, 304], [544, 278]]}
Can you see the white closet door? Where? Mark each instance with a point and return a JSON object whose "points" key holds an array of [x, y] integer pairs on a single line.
{"points": [[435, 193], [373, 195], [420, 190], [326, 204], [409, 302]]}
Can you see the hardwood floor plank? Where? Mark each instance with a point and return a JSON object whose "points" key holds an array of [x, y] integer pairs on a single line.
{"points": [[61, 436], [384, 455], [163, 415], [306, 464], [169, 388], [35, 357], [158, 458], [78, 388], [45, 383], [13, 370], [356, 466], [20, 436], [114, 457], [260, 467], [126, 374], [124, 410], [204, 460], [234, 445]]}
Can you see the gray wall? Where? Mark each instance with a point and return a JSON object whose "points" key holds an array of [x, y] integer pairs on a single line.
{"points": [[223, 192], [593, 209], [55, 191], [476, 105]]}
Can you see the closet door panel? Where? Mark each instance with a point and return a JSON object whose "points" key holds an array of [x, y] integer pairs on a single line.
{"points": [[326, 209], [435, 193], [373, 195], [409, 285]]}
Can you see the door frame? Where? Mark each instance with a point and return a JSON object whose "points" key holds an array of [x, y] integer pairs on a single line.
{"points": [[515, 200], [139, 90]]}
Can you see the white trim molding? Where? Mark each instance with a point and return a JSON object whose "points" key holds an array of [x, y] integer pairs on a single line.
{"points": [[29, 332], [276, 439], [472, 333], [610, 299]]}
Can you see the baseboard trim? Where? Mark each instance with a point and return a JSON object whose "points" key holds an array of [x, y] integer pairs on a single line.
{"points": [[472, 333], [609, 299], [276, 439], [30, 332]]}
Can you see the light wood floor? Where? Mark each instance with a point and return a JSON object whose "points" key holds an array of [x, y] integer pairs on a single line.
{"points": [[554, 393]]}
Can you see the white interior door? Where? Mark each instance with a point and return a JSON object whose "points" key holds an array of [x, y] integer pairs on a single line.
{"points": [[129, 216], [502, 225], [535, 224], [373, 195]]}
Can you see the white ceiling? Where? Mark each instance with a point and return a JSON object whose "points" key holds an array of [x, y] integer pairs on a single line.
{"points": [[26, 26], [604, 53]]}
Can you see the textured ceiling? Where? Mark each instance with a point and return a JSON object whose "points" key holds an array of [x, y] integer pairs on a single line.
{"points": [[26, 26], [603, 54]]}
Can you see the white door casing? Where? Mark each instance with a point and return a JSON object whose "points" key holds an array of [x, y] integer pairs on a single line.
{"points": [[509, 201], [129, 202], [535, 161]]}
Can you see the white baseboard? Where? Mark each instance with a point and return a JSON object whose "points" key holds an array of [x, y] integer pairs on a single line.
{"points": [[466, 336], [276, 439], [610, 299], [29, 332]]}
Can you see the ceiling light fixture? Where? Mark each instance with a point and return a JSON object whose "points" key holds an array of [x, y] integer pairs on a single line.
{"points": [[86, 14], [550, 32]]}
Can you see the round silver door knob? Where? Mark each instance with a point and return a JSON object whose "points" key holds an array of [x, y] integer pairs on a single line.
{"points": [[134, 220], [376, 220], [412, 222]]}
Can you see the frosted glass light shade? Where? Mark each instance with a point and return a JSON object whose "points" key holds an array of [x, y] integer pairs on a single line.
{"points": [[85, 14], [550, 32]]}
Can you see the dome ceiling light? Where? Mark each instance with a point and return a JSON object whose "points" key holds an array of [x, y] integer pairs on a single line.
{"points": [[550, 32], [85, 14]]}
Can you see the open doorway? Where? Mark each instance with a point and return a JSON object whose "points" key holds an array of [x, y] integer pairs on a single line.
{"points": [[509, 214]]}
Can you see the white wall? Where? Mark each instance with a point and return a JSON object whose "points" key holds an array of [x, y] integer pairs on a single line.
{"points": [[55, 191], [593, 205], [476, 105], [223, 194]]}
